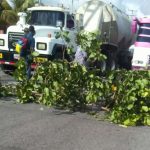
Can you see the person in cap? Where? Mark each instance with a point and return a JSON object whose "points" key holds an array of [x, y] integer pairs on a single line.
{"points": [[26, 53], [31, 38]]}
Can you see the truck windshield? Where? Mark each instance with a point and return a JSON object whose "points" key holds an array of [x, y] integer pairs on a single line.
{"points": [[45, 18], [143, 39], [145, 24], [144, 31]]}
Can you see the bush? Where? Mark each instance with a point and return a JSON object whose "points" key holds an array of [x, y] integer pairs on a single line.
{"points": [[131, 97]]}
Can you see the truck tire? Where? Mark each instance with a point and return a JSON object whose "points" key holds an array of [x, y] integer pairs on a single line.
{"points": [[125, 60], [106, 65], [101, 65], [110, 51], [111, 64], [7, 69], [59, 55], [111, 61]]}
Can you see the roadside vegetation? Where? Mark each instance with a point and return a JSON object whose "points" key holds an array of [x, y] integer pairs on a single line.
{"points": [[9, 14], [124, 95]]}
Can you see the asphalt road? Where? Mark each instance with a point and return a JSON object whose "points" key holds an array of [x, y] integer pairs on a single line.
{"points": [[5, 78], [36, 127]]}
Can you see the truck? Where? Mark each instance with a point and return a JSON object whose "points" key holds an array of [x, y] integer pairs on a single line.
{"points": [[47, 21], [113, 24], [115, 31], [141, 46]]}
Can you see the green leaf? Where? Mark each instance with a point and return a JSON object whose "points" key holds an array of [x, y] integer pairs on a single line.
{"points": [[132, 98], [39, 78], [145, 108], [91, 76], [58, 35], [35, 54], [92, 55], [46, 90], [54, 94], [148, 121], [130, 106], [124, 126], [128, 122]]}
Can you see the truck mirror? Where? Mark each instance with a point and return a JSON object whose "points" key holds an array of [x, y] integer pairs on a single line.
{"points": [[22, 18], [22, 14], [70, 24], [59, 24]]}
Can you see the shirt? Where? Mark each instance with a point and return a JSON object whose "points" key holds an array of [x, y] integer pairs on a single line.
{"points": [[31, 42], [80, 56]]}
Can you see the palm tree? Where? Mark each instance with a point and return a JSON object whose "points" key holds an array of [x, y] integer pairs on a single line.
{"points": [[9, 15]]}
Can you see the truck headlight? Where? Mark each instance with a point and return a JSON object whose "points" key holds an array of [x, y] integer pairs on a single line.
{"points": [[41, 46], [138, 62], [148, 59], [1, 42]]}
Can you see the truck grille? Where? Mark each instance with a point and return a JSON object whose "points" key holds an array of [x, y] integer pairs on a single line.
{"points": [[148, 59], [13, 37]]}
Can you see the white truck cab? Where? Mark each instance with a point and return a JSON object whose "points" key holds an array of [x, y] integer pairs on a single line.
{"points": [[47, 21]]}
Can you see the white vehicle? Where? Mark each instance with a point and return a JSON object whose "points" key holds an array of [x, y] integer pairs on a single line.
{"points": [[47, 21], [113, 24]]}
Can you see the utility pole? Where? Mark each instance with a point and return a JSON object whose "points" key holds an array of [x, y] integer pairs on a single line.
{"points": [[133, 12], [72, 6]]}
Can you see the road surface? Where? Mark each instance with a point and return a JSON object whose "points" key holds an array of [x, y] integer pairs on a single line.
{"points": [[36, 127]]}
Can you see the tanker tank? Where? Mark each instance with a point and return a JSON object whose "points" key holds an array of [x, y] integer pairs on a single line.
{"points": [[113, 24]]}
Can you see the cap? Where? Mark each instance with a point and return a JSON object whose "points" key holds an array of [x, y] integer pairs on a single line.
{"points": [[31, 29], [26, 29]]}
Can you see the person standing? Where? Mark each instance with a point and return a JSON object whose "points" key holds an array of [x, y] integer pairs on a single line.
{"points": [[81, 56], [26, 52]]}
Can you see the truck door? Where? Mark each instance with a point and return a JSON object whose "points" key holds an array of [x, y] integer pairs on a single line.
{"points": [[70, 26]]}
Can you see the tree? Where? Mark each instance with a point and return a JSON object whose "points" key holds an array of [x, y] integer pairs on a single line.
{"points": [[9, 14]]}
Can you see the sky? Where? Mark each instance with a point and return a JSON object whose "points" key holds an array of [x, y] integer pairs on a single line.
{"points": [[140, 7]]}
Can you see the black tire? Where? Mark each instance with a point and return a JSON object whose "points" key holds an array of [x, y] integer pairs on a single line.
{"points": [[100, 65], [111, 61], [59, 55], [7, 69], [111, 64], [125, 60]]}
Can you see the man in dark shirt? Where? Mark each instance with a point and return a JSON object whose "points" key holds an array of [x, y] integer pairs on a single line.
{"points": [[26, 53]]}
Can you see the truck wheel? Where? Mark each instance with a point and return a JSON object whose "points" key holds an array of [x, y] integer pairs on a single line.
{"points": [[111, 61], [59, 55], [125, 60], [103, 65], [111, 64], [100, 65], [8, 69]]}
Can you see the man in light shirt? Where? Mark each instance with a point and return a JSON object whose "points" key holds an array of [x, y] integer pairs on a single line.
{"points": [[81, 56]]}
